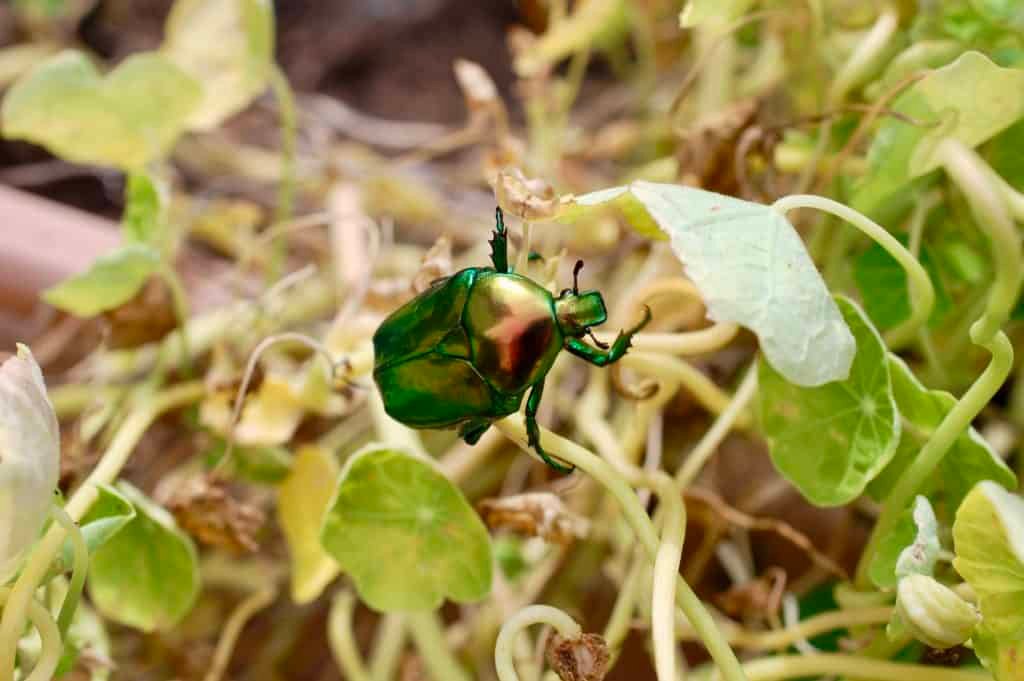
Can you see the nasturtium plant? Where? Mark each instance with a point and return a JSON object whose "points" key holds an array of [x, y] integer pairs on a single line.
{"points": [[29, 457], [108, 515], [969, 461], [111, 281], [147, 574], [405, 534], [883, 287], [302, 500], [830, 441], [911, 548], [143, 218], [124, 119], [228, 47], [751, 268], [970, 100], [989, 543]]}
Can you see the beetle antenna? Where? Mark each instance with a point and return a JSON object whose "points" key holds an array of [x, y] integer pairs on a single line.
{"points": [[576, 277], [603, 346]]}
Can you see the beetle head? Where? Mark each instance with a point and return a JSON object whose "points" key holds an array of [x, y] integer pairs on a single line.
{"points": [[577, 312]]}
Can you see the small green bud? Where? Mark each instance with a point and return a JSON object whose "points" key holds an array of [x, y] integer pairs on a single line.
{"points": [[933, 613]]}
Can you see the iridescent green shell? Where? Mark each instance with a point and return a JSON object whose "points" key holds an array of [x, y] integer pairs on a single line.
{"points": [[467, 348]]}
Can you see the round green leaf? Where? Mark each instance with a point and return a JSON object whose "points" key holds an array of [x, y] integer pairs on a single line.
{"points": [[147, 575], [405, 534], [831, 440]]}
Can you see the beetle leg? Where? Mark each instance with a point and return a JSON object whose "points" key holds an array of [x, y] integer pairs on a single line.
{"points": [[499, 244], [472, 431], [533, 430], [602, 357]]}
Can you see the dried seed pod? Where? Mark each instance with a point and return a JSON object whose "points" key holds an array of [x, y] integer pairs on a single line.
{"points": [[204, 507], [934, 613], [584, 658]]}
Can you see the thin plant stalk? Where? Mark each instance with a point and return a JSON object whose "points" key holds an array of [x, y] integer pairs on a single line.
{"points": [[528, 616]]}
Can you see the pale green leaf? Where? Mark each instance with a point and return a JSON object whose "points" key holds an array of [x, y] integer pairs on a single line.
{"points": [[228, 46], [29, 457], [911, 548], [111, 281], [970, 460], [751, 268], [405, 534], [146, 575], [109, 514], [831, 440], [143, 217], [989, 541], [975, 99], [130, 117], [970, 99], [302, 500]]}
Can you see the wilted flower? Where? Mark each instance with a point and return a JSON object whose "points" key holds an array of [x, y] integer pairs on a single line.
{"points": [[934, 613], [29, 457]]}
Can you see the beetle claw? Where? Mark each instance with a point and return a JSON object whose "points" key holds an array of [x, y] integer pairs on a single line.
{"points": [[533, 440]]}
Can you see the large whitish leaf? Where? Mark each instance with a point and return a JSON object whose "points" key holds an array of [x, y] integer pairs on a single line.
{"points": [[831, 440], [125, 119], [147, 574], [405, 534], [29, 457], [227, 45], [751, 268], [302, 499]]}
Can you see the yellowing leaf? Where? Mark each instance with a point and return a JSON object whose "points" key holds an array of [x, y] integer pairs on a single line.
{"points": [[302, 499], [129, 117], [227, 45]]}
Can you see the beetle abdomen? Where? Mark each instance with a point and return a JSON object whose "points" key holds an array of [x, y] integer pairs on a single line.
{"points": [[434, 391]]}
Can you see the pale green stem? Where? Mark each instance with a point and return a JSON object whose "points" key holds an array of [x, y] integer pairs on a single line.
{"points": [[110, 465], [665, 579], [289, 126], [49, 637], [79, 568], [716, 83], [783, 667], [387, 648], [341, 639], [233, 629], [528, 616], [866, 58], [179, 301], [428, 635], [573, 454], [621, 619], [694, 463], [71, 399], [974, 179], [809, 628], [922, 294]]}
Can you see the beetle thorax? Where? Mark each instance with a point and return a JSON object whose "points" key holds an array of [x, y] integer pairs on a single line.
{"points": [[512, 330]]}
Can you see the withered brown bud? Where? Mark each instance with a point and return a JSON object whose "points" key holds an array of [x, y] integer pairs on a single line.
{"points": [[584, 658]]}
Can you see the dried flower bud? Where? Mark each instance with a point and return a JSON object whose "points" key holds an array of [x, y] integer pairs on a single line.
{"points": [[933, 613], [204, 508], [535, 514], [584, 658]]}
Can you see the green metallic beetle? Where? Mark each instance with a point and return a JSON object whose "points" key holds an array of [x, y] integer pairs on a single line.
{"points": [[465, 351]]}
